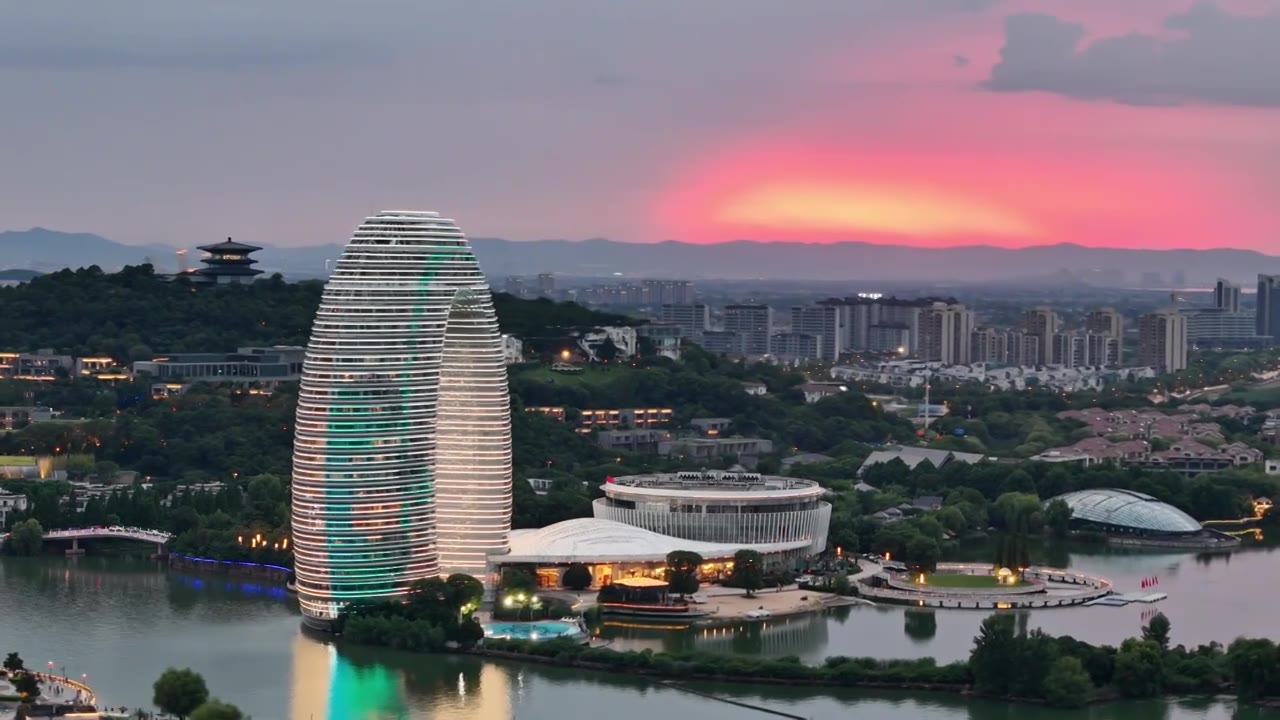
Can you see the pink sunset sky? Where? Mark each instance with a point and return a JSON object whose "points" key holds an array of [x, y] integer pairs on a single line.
{"points": [[1151, 123]]}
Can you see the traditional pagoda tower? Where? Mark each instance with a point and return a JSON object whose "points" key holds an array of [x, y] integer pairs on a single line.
{"points": [[227, 263]]}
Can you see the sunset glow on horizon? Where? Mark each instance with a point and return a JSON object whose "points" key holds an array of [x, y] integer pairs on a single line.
{"points": [[811, 206]]}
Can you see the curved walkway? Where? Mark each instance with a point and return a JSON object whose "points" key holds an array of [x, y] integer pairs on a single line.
{"points": [[1069, 588], [71, 689], [57, 689]]}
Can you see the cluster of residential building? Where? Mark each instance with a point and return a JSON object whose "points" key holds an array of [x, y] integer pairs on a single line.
{"points": [[259, 366], [824, 330], [46, 365], [1189, 441], [648, 430], [932, 329], [633, 293], [917, 373], [586, 346], [942, 330]]}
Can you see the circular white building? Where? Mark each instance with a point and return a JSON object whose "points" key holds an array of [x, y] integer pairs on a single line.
{"points": [[721, 507], [402, 452]]}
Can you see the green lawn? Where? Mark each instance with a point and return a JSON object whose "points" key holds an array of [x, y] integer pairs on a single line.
{"points": [[591, 375], [967, 581]]}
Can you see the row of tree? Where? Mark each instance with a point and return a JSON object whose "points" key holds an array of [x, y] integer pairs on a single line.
{"points": [[435, 612], [1007, 660]]}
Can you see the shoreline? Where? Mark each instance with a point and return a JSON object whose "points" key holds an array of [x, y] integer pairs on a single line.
{"points": [[209, 566], [670, 680], [1103, 697]]}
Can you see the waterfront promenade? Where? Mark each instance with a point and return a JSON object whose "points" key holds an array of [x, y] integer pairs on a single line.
{"points": [[1048, 588], [56, 690]]}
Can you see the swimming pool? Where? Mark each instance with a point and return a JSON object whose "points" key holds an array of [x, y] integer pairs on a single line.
{"points": [[540, 630]]}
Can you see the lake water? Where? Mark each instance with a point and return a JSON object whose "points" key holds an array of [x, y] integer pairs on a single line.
{"points": [[1217, 596], [121, 622]]}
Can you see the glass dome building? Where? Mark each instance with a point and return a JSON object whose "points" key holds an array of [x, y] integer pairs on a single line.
{"points": [[1127, 512]]}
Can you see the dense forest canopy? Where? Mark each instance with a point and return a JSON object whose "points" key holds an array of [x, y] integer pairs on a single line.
{"points": [[135, 313]]}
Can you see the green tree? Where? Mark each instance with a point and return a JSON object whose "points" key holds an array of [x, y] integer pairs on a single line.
{"points": [[1057, 517], [682, 571], [13, 663], [79, 465], [840, 584], [994, 654], [922, 554], [105, 470], [518, 579], [1067, 684], [1014, 510], [26, 684], [748, 571], [1255, 667], [464, 591], [1034, 653], [1013, 551], [953, 519], [27, 537], [576, 577], [1139, 669], [470, 632], [1157, 630], [215, 709], [179, 691]]}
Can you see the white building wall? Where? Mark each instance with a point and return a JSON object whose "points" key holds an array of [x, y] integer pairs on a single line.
{"points": [[747, 528]]}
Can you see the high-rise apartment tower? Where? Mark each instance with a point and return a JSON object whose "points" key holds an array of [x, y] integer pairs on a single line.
{"points": [[402, 456], [1162, 341]]}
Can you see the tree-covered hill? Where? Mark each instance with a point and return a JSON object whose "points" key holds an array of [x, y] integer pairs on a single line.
{"points": [[134, 313]]}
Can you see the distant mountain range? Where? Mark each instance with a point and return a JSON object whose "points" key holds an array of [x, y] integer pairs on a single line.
{"points": [[47, 250]]}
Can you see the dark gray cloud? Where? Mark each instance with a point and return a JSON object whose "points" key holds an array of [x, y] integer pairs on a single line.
{"points": [[1209, 56]]}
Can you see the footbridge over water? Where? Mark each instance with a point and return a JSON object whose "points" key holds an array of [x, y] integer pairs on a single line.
{"points": [[75, 535]]}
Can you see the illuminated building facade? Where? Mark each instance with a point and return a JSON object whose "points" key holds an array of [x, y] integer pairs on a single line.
{"points": [[402, 458], [721, 507]]}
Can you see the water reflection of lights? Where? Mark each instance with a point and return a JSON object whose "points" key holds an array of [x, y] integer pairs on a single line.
{"points": [[643, 626], [245, 588]]}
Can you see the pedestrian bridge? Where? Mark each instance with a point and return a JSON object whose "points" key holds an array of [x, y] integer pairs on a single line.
{"points": [[75, 535], [158, 537]]}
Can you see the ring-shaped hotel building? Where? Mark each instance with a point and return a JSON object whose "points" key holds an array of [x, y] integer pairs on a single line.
{"points": [[402, 451]]}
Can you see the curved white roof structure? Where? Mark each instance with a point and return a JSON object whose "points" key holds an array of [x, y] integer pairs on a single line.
{"points": [[591, 540], [713, 486], [1128, 509], [402, 451]]}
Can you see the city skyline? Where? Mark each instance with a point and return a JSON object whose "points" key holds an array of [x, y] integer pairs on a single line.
{"points": [[999, 122]]}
